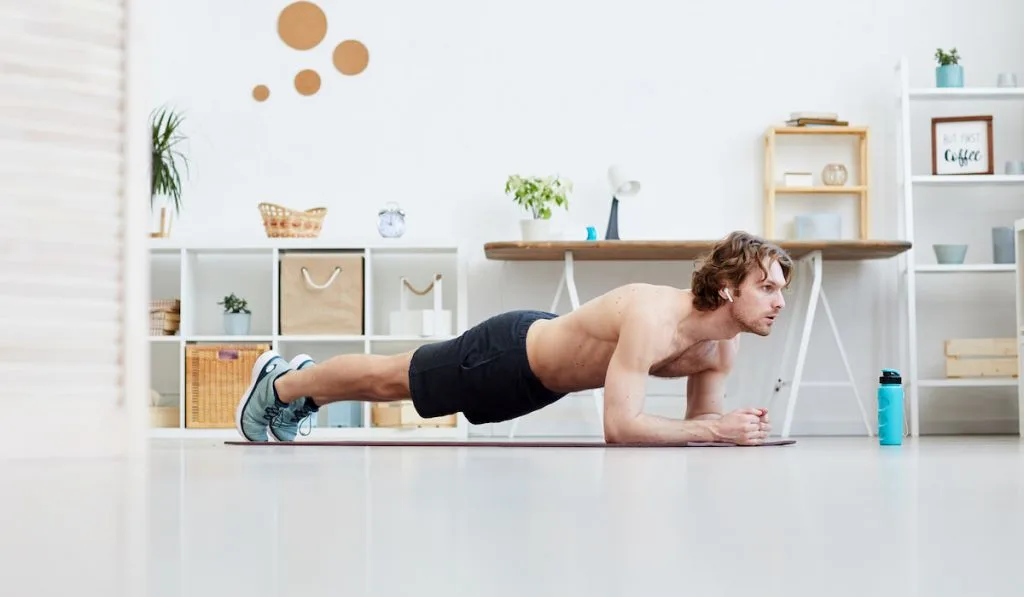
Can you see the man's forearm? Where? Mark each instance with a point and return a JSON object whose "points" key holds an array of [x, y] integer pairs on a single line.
{"points": [[652, 429]]}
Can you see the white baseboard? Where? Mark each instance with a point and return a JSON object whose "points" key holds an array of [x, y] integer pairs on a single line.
{"points": [[575, 416]]}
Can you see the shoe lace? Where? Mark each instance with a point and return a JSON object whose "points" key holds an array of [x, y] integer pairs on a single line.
{"points": [[306, 419], [302, 416], [272, 413], [305, 416]]}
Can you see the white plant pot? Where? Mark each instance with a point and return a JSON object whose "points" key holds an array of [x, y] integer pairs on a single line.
{"points": [[237, 324], [535, 229]]}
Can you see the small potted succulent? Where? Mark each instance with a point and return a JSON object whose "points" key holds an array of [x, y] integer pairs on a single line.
{"points": [[537, 195], [948, 73], [237, 317]]}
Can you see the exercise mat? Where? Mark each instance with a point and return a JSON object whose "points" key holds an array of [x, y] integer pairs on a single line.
{"points": [[504, 444]]}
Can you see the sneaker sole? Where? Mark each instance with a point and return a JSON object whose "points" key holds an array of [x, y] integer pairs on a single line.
{"points": [[294, 365], [257, 368]]}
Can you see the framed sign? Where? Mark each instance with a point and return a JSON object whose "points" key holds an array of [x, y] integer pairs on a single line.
{"points": [[962, 145]]}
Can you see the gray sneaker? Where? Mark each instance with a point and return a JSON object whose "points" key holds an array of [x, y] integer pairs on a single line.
{"points": [[260, 405], [285, 426]]}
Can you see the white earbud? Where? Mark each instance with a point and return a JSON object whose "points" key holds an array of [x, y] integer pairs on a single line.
{"points": [[728, 295]]}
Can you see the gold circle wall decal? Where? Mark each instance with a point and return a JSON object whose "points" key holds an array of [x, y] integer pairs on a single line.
{"points": [[260, 93], [351, 57], [307, 82], [302, 25]]}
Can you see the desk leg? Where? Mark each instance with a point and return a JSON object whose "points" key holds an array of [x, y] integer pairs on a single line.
{"points": [[568, 281], [805, 339], [787, 346], [569, 278], [846, 361], [816, 293], [558, 293]]}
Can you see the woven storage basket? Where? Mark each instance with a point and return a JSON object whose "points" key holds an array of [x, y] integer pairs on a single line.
{"points": [[216, 375], [169, 305], [164, 317], [281, 222], [164, 323]]}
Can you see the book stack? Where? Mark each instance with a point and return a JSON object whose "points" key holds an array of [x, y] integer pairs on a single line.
{"points": [[815, 119]]}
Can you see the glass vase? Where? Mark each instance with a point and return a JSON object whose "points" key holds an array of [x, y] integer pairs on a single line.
{"points": [[834, 175]]}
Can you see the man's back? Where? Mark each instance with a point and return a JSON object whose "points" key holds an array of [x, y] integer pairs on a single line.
{"points": [[571, 353]]}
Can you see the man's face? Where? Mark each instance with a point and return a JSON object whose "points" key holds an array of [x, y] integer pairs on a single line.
{"points": [[759, 300]]}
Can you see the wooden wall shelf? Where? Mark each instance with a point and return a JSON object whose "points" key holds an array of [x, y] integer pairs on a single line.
{"points": [[772, 189]]}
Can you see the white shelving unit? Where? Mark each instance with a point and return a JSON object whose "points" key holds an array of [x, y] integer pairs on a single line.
{"points": [[961, 93], [1018, 236], [201, 274], [909, 182]]}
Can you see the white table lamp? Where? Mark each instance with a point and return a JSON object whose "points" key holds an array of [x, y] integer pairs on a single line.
{"points": [[622, 187]]}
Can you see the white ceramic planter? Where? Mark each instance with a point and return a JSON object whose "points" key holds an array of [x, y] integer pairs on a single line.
{"points": [[237, 324], [535, 229]]}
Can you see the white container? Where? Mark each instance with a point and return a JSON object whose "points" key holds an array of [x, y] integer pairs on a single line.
{"points": [[421, 322], [818, 226], [798, 179], [425, 323], [237, 324], [535, 229]]}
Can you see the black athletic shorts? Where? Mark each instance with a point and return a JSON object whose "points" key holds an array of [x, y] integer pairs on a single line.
{"points": [[484, 373]]}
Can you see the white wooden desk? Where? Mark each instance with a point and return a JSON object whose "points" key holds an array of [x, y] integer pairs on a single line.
{"points": [[807, 254]]}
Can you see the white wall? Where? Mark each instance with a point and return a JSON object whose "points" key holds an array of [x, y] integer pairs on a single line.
{"points": [[460, 94]]}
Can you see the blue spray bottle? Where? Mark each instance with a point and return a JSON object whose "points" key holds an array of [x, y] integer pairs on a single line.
{"points": [[890, 408]]}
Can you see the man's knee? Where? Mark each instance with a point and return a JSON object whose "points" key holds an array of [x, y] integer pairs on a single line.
{"points": [[391, 376]]}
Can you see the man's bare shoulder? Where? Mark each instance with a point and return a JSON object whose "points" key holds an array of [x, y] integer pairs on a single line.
{"points": [[646, 309], [649, 310], [641, 295]]}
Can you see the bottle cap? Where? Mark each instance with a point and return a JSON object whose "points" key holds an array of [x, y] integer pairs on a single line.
{"points": [[890, 377]]}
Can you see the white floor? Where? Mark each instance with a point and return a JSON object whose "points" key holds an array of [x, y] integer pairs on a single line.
{"points": [[939, 516]]}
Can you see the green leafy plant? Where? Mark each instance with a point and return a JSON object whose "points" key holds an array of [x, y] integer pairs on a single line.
{"points": [[947, 58], [166, 157], [537, 194], [234, 304]]}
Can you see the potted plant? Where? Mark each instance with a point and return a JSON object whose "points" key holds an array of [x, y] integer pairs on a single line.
{"points": [[948, 73], [165, 175], [537, 195], [237, 317]]}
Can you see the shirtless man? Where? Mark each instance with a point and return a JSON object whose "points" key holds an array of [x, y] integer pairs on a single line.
{"points": [[521, 361]]}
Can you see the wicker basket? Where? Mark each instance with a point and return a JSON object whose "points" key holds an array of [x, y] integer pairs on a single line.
{"points": [[216, 376], [170, 305], [281, 222], [164, 317]]}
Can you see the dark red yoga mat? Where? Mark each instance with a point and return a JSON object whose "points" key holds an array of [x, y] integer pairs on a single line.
{"points": [[504, 444]]}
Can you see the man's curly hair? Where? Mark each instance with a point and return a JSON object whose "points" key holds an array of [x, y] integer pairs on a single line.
{"points": [[730, 260]]}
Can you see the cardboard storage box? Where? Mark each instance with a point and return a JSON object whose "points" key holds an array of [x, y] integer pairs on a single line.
{"points": [[322, 294]]}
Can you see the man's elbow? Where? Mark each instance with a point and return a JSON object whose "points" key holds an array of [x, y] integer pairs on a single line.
{"points": [[618, 429]]}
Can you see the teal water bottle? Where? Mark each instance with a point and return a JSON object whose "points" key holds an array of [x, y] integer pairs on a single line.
{"points": [[890, 408]]}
